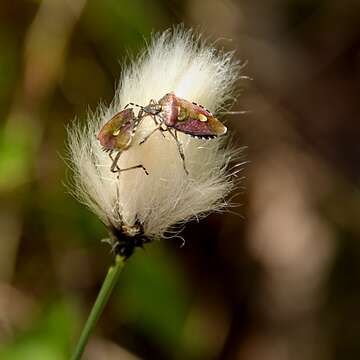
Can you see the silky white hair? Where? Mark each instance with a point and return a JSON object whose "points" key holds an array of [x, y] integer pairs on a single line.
{"points": [[179, 61]]}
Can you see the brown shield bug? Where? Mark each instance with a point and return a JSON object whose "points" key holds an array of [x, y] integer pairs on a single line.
{"points": [[173, 114], [116, 136]]}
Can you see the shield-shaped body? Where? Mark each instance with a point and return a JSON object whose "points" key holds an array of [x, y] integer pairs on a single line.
{"points": [[118, 132], [189, 118]]}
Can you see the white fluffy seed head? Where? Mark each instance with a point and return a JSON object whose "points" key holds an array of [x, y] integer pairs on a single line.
{"points": [[181, 62]]}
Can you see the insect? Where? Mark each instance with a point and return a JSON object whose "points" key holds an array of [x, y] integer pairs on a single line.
{"points": [[116, 136], [173, 114]]}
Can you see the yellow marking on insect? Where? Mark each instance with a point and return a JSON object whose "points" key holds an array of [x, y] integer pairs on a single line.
{"points": [[202, 117], [181, 114], [116, 132]]}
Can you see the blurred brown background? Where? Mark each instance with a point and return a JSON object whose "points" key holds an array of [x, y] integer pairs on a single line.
{"points": [[279, 282]]}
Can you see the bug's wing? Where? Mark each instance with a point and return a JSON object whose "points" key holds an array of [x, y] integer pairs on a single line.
{"points": [[116, 134], [194, 119], [212, 127]]}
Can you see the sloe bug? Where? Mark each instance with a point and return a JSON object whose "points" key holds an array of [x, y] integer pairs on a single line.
{"points": [[178, 114], [117, 135]]}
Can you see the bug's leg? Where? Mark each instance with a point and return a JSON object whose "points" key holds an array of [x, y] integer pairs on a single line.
{"points": [[110, 155], [141, 115], [154, 119], [158, 128], [112, 159], [180, 149], [137, 121], [134, 167], [157, 124], [114, 168]]}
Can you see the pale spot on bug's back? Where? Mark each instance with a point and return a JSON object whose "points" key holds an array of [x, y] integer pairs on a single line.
{"points": [[182, 114], [202, 117], [116, 132]]}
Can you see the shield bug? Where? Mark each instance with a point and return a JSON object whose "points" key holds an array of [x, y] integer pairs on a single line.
{"points": [[116, 136], [176, 114]]}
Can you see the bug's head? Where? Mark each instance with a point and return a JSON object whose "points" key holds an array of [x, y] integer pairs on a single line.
{"points": [[153, 108], [116, 133]]}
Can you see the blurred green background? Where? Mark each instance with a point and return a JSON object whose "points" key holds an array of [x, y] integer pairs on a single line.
{"points": [[281, 281]]}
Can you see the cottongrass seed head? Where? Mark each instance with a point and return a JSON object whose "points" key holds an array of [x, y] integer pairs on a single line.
{"points": [[176, 61]]}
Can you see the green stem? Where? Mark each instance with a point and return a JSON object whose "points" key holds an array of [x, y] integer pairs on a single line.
{"points": [[101, 300]]}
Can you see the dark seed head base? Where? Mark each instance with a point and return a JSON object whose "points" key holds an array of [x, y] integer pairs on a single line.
{"points": [[127, 239]]}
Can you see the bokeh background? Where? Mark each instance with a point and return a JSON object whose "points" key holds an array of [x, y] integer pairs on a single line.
{"points": [[277, 279]]}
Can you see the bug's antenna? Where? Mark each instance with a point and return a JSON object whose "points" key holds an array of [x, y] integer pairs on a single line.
{"points": [[234, 112], [133, 104]]}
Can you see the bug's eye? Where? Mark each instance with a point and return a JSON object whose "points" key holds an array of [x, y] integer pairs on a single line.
{"points": [[116, 132], [158, 107]]}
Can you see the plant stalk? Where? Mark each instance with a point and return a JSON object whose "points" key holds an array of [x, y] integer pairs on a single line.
{"points": [[98, 307]]}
